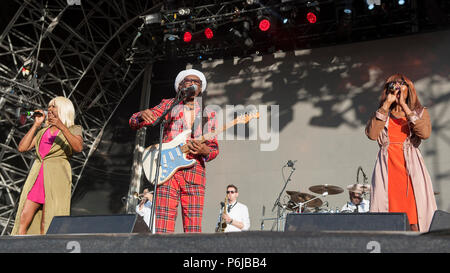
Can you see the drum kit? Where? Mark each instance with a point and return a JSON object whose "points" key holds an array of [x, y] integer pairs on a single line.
{"points": [[301, 202]]}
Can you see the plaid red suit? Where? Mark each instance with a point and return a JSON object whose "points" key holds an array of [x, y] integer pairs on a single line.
{"points": [[187, 185]]}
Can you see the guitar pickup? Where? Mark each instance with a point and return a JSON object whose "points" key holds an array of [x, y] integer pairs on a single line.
{"points": [[171, 156], [164, 161]]}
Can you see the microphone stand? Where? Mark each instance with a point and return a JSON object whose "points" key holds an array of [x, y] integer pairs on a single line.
{"points": [[364, 177], [162, 122], [277, 202]]}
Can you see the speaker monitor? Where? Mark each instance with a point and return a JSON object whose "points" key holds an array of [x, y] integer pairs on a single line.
{"points": [[347, 221], [440, 221], [122, 223]]}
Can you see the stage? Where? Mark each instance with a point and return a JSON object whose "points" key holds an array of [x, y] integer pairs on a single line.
{"points": [[241, 242]]}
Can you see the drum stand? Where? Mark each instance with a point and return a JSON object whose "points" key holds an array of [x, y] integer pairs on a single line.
{"points": [[301, 204]]}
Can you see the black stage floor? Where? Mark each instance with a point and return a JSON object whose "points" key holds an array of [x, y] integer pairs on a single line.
{"points": [[241, 242]]}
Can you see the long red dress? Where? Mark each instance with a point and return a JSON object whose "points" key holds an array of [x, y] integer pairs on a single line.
{"points": [[400, 190]]}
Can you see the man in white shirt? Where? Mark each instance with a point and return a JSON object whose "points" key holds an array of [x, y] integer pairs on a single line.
{"points": [[236, 214], [357, 204], [144, 208]]}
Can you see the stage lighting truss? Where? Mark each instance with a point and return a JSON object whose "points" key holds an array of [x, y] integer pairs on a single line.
{"points": [[85, 59]]}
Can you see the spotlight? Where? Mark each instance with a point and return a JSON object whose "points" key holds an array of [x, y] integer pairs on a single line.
{"points": [[184, 11], [248, 42], [313, 11], [311, 17], [371, 3], [153, 18], [348, 7], [401, 2], [241, 34], [171, 37], [264, 24], [187, 37], [209, 34]]}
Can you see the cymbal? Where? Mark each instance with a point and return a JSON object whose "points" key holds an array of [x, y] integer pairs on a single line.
{"points": [[301, 197], [320, 189]]}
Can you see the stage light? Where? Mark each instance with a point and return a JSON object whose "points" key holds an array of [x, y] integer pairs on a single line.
{"points": [[312, 12], [171, 37], [285, 20], [154, 18], [401, 2], [240, 33], [311, 17], [371, 3], [264, 24], [184, 11], [187, 37], [248, 42], [209, 34]]}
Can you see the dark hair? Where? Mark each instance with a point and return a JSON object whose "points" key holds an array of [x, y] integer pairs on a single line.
{"points": [[232, 186]]}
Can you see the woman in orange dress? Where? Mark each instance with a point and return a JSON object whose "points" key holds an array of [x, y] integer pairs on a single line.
{"points": [[400, 180]]}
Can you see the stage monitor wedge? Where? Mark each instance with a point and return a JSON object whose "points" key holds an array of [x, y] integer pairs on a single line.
{"points": [[122, 223], [347, 222]]}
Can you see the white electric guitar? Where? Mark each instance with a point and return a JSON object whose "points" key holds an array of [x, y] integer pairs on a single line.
{"points": [[173, 153]]}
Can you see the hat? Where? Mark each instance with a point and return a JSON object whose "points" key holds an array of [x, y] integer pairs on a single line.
{"points": [[358, 188], [188, 72]]}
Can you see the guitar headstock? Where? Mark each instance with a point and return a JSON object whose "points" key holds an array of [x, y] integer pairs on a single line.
{"points": [[245, 118]]}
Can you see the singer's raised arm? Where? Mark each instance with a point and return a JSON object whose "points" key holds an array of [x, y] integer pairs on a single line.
{"points": [[137, 121]]}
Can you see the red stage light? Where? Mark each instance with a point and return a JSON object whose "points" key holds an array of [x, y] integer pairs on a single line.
{"points": [[187, 37], [209, 33], [264, 25], [311, 17]]}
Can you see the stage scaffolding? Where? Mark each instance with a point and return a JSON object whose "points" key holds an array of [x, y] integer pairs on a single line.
{"points": [[63, 48], [96, 52]]}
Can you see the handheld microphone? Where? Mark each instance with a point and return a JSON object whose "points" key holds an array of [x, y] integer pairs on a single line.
{"points": [[33, 114], [291, 163], [189, 91], [391, 87]]}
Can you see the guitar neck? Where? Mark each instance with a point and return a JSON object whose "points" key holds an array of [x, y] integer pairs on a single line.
{"points": [[211, 135]]}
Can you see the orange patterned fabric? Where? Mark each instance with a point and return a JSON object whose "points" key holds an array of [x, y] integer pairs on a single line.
{"points": [[400, 190]]}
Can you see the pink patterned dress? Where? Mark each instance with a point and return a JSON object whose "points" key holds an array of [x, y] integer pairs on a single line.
{"points": [[37, 193]]}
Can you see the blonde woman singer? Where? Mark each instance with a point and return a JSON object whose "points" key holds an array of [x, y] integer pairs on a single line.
{"points": [[47, 190]]}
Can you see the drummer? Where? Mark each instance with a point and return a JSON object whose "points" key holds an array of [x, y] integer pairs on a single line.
{"points": [[357, 203]]}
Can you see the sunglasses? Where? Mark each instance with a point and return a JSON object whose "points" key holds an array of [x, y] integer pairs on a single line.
{"points": [[230, 192], [198, 82]]}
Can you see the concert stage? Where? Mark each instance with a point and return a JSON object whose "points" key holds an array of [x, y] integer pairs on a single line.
{"points": [[243, 242]]}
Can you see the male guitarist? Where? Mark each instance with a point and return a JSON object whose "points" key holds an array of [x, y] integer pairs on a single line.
{"points": [[188, 184]]}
